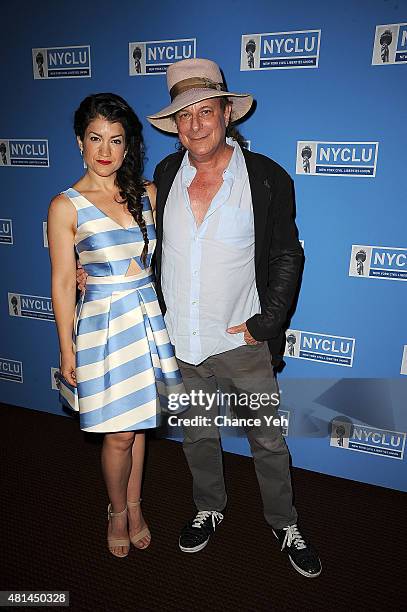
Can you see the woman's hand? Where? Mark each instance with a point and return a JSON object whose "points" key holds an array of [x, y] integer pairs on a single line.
{"points": [[67, 368], [81, 277]]}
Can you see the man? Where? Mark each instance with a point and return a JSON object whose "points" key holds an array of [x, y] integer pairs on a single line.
{"points": [[228, 262]]}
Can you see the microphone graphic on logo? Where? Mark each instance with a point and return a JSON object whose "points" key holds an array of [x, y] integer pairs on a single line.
{"points": [[340, 432], [39, 58], [306, 155], [137, 57], [291, 340], [57, 379], [14, 303], [360, 259], [250, 49], [385, 41], [3, 150]]}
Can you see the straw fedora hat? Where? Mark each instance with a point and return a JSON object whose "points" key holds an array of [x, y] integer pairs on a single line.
{"points": [[193, 80]]}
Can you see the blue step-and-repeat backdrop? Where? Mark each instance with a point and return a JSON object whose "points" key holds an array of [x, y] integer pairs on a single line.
{"points": [[330, 84]]}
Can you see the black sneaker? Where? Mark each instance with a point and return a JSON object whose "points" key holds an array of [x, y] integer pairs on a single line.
{"points": [[301, 554], [196, 533]]}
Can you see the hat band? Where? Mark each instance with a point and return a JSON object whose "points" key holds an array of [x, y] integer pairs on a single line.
{"points": [[194, 83]]}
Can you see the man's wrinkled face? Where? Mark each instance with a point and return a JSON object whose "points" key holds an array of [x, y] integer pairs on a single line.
{"points": [[202, 127]]}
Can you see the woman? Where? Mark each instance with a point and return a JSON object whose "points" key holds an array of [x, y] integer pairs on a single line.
{"points": [[120, 359]]}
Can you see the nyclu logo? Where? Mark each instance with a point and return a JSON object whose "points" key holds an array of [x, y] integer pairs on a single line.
{"points": [[277, 50], [154, 56], [24, 152], [6, 231], [11, 370], [365, 439], [390, 44], [336, 158], [45, 234], [30, 306], [388, 263], [403, 369], [55, 379], [61, 62], [315, 346]]}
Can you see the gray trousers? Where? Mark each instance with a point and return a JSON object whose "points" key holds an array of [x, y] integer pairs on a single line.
{"points": [[242, 371]]}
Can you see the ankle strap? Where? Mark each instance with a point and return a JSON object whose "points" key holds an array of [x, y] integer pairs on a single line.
{"points": [[136, 503], [110, 513]]}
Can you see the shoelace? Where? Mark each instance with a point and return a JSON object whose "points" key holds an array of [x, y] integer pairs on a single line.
{"points": [[293, 536], [203, 515]]}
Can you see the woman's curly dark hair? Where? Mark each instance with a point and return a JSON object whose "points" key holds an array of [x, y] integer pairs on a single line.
{"points": [[129, 176]]}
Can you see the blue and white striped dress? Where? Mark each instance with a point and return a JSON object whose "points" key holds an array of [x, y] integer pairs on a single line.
{"points": [[125, 363]]}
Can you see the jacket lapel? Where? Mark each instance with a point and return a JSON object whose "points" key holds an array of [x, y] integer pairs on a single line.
{"points": [[163, 183], [166, 180], [261, 199]]}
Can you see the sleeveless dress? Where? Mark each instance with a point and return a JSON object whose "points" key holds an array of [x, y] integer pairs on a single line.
{"points": [[125, 363]]}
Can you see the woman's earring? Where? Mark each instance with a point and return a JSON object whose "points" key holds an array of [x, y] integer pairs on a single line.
{"points": [[81, 152]]}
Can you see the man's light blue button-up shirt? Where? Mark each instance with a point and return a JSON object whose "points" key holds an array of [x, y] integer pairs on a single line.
{"points": [[208, 274]]}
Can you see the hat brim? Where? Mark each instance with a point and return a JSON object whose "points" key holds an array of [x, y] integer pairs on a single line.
{"points": [[164, 121]]}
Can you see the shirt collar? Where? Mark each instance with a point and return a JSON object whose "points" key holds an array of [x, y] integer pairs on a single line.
{"points": [[232, 170]]}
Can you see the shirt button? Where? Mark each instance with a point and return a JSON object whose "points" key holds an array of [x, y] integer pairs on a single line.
{"points": [[194, 333], [194, 303]]}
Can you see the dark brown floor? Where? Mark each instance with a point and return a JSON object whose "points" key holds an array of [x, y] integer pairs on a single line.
{"points": [[53, 525]]}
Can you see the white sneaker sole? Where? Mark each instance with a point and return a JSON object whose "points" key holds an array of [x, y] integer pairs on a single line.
{"points": [[296, 567], [302, 572], [195, 549]]}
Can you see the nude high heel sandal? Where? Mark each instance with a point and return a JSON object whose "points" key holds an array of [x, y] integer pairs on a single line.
{"points": [[113, 542], [141, 534]]}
